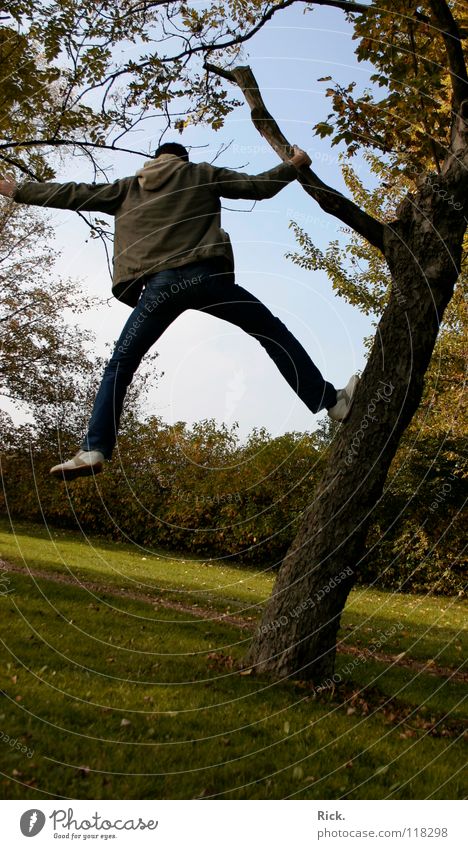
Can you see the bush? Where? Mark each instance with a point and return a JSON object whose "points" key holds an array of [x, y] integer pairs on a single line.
{"points": [[200, 490]]}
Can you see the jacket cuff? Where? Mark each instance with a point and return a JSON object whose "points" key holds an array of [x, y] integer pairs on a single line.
{"points": [[288, 171], [16, 196]]}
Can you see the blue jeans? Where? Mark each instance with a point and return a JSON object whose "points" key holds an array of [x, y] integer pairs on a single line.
{"points": [[206, 287]]}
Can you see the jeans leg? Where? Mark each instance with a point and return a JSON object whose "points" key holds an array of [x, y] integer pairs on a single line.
{"points": [[236, 305], [155, 311]]}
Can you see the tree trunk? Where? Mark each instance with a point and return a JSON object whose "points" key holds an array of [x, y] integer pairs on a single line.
{"points": [[423, 248]]}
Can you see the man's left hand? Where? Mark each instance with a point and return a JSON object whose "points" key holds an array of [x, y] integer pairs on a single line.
{"points": [[300, 157]]}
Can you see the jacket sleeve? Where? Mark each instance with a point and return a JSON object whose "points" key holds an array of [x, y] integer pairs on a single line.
{"points": [[234, 184], [85, 197]]}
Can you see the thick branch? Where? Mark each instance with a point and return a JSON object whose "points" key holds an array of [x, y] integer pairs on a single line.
{"points": [[455, 167], [421, 99], [358, 8], [329, 199], [448, 27]]}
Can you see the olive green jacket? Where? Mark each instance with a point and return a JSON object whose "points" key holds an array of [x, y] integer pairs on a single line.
{"points": [[167, 215]]}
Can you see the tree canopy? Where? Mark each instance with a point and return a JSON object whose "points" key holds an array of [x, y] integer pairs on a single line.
{"points": [[43, 356]]}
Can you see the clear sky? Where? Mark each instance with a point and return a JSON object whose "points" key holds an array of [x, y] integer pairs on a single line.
{"points": [[211, 369]]}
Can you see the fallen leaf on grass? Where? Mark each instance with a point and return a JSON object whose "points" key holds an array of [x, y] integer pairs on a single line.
{"points": [[220, 659]]}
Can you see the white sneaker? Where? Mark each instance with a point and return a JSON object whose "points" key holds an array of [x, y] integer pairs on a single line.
{"points": [[345, 397], [83, 463]]}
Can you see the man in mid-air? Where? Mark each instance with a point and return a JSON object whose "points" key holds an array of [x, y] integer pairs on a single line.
{"points": [[170, 255]]}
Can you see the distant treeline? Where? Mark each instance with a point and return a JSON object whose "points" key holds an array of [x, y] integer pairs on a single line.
{"points": [[201, 490]]}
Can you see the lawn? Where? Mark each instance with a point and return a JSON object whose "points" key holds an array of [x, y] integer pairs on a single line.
{"points": [[120, 680]]}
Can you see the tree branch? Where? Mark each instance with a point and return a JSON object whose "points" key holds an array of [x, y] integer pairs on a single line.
{"points": [[414, 57], [329, 199], [236, 40], [448, 27], [55, 142], [19, 165], [359, 8]]}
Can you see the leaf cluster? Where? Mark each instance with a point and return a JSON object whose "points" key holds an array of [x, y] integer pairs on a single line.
{"points": [[410, 122]]}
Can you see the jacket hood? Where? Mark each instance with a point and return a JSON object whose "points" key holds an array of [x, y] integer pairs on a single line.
{"points": [[156, 172]]}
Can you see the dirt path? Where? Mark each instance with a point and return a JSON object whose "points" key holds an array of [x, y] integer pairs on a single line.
{"points": [[120, 592], [98, 587]]}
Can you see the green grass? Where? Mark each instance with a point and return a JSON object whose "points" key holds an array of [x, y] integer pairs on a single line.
{"points": [[75, 664]]}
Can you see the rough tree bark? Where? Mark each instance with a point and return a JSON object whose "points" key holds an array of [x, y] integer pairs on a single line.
{"points": [[423, 249]]}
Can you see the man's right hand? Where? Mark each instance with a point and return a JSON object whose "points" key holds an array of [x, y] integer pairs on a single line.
{"points": [[7, 187], [300, 157]]}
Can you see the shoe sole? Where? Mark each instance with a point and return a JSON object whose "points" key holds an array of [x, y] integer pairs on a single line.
{"points": [[356, 384], [77, 472]]}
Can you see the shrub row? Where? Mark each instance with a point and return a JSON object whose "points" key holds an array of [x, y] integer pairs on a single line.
{"points": [[199, 490]]}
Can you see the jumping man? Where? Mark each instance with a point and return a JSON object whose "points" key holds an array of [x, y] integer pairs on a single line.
{"points": [[170, 255]]}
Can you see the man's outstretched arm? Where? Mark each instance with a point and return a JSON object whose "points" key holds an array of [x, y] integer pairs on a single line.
{"points": [[234, 184], [84, 197]]}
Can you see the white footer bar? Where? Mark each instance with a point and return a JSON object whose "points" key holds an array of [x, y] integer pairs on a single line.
{"points": [[234, 824]]}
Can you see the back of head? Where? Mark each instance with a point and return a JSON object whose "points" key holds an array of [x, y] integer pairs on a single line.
{"points": [[174, 149]]}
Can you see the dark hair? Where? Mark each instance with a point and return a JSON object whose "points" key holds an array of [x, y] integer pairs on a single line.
{"points": [[174, 148]]}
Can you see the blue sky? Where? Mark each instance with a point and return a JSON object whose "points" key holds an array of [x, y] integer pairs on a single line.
{"points": [[211, 369]]}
